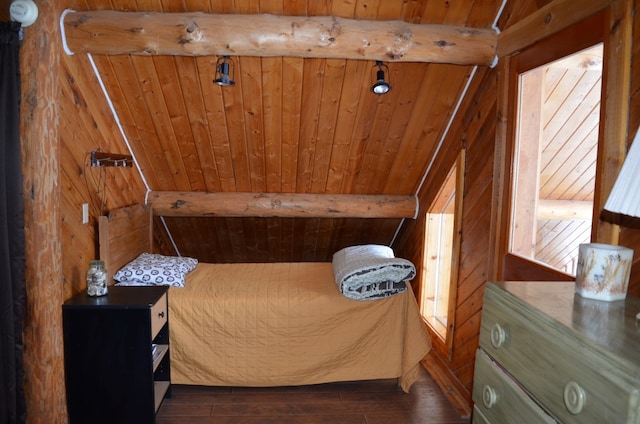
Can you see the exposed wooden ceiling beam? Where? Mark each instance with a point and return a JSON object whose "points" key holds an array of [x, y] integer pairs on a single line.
{"points": [[200, 34], [296, 205]]}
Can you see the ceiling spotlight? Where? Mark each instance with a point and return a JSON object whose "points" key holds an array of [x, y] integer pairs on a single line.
{"points": [[380, 86], [223, 66]]}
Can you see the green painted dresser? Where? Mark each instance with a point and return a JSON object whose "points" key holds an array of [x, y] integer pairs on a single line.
{"points": [[548, 355]]}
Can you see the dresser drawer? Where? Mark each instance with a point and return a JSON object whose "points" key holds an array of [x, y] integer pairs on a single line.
{"points": [[158, 315], [499, 399], [574, 381]]}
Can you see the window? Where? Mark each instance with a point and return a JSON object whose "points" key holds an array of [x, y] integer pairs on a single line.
{"points": [[555, 158], [440, 261]]}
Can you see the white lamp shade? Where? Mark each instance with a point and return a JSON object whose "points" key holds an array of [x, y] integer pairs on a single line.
{"points": [[625, 195]]}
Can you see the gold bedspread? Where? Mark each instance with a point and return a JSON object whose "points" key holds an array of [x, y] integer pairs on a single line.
{"points": [[281, 324]]}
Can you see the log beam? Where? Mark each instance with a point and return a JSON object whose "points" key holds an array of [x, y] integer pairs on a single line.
{"points": [[294, 205], [565, 209], [201, 34]]}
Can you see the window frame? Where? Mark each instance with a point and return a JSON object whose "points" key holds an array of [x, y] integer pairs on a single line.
{"points": [[611, 140]]}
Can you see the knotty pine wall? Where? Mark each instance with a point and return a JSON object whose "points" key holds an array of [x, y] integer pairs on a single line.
{"points": [[87, 124], [475, 128]]}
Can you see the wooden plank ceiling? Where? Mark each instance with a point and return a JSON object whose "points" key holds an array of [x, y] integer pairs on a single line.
{"points": [[288, 125]]}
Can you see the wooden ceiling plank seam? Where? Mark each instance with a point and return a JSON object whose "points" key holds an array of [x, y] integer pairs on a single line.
{"points": [[202, 5], [313, 70], [585, 127], [378, 157], [414, 133], [275, 7], [332, 86], [89, 99], [272, 109], [347, 116], [343, 8], [120, 79], [558, 179], [318, 7], [484, 13], [399, 120], [412, 11], [216, 123], [573, 96], [190, 85], [151, 96], [252, 100], [367, 9], [292, 74], [295, 7], [234, 114], [112, 141], [427, 134], [447, 109], [359, 135], [198, 129], [181, 125], [435, 12]]}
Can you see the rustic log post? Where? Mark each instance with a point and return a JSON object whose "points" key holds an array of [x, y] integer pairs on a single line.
{"points": [[43, 356]]}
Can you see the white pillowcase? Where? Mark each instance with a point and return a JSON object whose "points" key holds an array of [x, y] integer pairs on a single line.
{"points": [[150, 269]]}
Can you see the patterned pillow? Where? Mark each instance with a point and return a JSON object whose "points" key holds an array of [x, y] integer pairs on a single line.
{"points": [[153, 269]]}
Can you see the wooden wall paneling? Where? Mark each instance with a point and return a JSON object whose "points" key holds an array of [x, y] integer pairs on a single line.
{"points": [[234, 111], [313, 70], [196, 118], [374, 148], [180, 131], [483, 13], [348, 111], [272, 102], [251, 72], [117, 73], [421, 132], [147, 70], [332, 85], [216, 125], [398, 120], [359, 134], [292, 74]]}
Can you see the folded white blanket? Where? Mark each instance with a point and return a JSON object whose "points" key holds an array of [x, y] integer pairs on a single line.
{"points": [[371, 272]]}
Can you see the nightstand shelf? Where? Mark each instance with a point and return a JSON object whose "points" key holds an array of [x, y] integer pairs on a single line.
{"points": [[117, 355]]}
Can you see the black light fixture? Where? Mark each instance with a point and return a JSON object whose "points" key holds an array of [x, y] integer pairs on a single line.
{"points": [[380, 86], [223, 65]]}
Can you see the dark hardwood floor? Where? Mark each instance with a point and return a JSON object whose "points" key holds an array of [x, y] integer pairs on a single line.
{"points": [[372, 402]]}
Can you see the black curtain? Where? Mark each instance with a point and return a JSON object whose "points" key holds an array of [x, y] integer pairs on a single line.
{"points": [[12, 239]]}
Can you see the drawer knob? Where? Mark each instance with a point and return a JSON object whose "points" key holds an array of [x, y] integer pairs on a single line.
{"points": [[161, 315], [574, 397], [498, 336], [489, 396]]}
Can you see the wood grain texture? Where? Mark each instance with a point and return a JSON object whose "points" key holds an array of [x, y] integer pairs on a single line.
{"points": [[570, 341], [295, 205], [42, 328], [200, 34]]}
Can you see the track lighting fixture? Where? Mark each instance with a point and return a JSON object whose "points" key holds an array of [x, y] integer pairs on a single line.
{"points": [[223, 66], [380, 86]]}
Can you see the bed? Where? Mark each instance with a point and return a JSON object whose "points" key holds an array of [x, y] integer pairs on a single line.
{"points": [[273, 324]]}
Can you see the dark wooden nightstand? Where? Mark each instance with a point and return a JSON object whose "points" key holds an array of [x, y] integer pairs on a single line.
{"points": [[116, 350]]}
